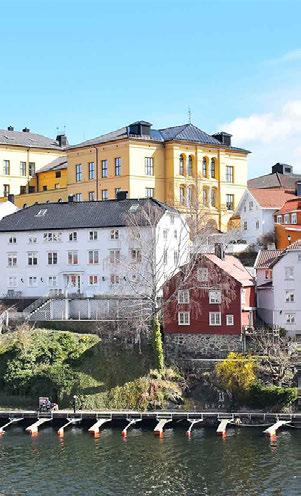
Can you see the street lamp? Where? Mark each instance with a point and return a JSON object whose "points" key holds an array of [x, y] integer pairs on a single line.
{"points": [[289, 238], [74, 403]]}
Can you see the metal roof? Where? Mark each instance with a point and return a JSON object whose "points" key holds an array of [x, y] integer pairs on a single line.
{"points": [[27, 139]]}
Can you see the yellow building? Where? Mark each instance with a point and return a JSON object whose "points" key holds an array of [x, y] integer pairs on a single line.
{"points": [[22, 154], [182, 166]]}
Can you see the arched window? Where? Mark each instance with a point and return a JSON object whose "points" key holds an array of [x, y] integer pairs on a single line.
{"points": [[213, 197], [205, 197], [181, 165], [204, 167], [212, 168], [189, 167], [182, 195]]}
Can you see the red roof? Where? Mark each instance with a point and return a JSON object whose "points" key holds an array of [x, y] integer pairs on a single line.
{"points": [[271, 198], [265, 258], [290, 205], [233, 267]]}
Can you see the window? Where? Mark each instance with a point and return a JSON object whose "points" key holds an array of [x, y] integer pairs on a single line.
{"points": [[114, 234], [31, 168], [279, 219], [45, 188], [243, 296], [213, 197], [93, 235], [78, 173], [22, 168], [149, 192], [257, 224], [251, 205], [189, 196], [136, 255], [290, 318], [118, 166], [204, 167], [104, 168], [41, 213], [117, 190], [149, 166], [104, 194], [202, 274], [12, 240], [12, 259], [32, 281], [58, 174], [6, 190], [93, 280], [12, 282], [287, 219], [245, 225], [190, 166], [32, 258], [52, 237], [91, 195], [182, 195], [72, 257], [93, 257], [229, 320], [289, 273], [114, 256], [290, 296], [212, 168], [22, 190], [32, 240], [78, 197], [205, 197], [229, 174], [215, 296], [114, 279], [184, 318], [91, 169], [214, 318], [176, 257], [52, 281], [294, 218], [183, 296], [230, 202], [165, 257], [6, 167], [73, 236], [52, 258], [31, 189], [181, 165]]}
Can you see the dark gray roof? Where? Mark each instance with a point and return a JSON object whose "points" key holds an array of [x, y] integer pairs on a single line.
{"points": [[56, 164], [275, 180], [30, 140], [77, 215], [185, 132]]}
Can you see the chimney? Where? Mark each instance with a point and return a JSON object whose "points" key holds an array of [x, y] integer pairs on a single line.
{"points": [[223, 138], [10, 128], [26, 130], [219, 250], [11, 198], [62, 140], [121, 195], [282, 168], [298, 188], [70, 198]]}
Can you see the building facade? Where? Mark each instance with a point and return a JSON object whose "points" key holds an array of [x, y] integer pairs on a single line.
{"points": [[22, 153], [91, 248], [288, 222]]}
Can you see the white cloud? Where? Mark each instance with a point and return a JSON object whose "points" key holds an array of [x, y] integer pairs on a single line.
{"points": [[272, 137], [292, 56]]}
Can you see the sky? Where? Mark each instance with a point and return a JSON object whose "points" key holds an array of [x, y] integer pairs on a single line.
{"points": [[93, 66]]}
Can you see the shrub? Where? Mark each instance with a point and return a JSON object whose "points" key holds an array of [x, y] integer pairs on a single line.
{"points": [[236, 374], [270, 397], [158, 345]]}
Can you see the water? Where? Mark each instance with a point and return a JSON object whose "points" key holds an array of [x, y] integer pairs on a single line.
{"points": [[246, 463]]}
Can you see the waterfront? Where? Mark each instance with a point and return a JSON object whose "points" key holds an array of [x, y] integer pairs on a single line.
{"points": [[245, 463]]}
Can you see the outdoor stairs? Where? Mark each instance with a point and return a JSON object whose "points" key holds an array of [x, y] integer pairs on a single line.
{"points": [[37, 305]]}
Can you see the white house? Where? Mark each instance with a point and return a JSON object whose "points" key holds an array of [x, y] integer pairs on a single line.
{"points": [[7, 208], [256, 211], [94, 248], [278, 276]]}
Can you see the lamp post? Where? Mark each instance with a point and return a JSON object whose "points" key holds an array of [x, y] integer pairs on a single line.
{"points": [[74, 403], [289, 238]]}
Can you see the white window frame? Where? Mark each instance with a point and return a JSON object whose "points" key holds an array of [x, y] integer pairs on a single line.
{"points": [[229, 319], [93, 280], [73, 236], [52, 281], [136, 256], [215, 318], [279, 219], [32, 258], [289, 273], [52, 258], [12, 259], [114, 256], [12, 240], [294, 218], [215, 296], [290, 318], [287, 218], [93, 235], [32, 282], [183, 318], [72, 257], [114, 234], [12, 282], [202, 274], [290, 296], [93, 257], [183, 296]]}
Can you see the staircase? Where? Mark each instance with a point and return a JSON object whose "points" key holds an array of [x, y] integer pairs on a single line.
{"points": [[36, 306]]}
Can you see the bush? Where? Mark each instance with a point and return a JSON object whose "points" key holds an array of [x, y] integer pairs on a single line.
{"points": [[270, 397], [158, 345], [236, 374]]}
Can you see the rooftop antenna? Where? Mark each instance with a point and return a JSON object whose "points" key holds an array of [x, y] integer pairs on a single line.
{"points": [[189, 115]]}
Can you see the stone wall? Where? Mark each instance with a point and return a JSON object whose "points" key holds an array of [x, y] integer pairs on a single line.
{"points": [[200, 346]]}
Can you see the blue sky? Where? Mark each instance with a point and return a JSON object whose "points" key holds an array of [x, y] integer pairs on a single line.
{"points": [[94, 66]]}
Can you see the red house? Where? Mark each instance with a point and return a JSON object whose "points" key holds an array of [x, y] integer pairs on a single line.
{"points": [[211, 295]]}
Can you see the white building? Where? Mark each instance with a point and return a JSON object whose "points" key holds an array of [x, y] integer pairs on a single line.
{"points": [[256, 211], [103, 248], [278, 276], [7, 208]]}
